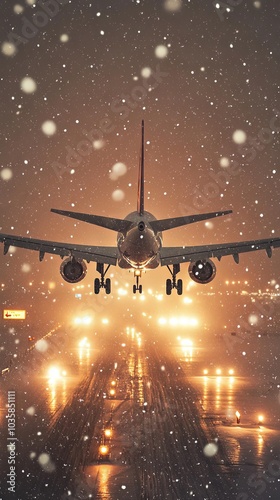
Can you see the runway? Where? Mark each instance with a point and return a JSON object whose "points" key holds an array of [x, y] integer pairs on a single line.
{"points": [[173, 429]]}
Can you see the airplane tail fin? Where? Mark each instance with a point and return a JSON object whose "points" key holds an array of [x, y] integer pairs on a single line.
{"points": [[140, 198]]}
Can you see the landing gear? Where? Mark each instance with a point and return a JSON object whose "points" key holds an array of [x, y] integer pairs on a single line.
{"points": [[102, 283], [137, 275], [174, 283]]}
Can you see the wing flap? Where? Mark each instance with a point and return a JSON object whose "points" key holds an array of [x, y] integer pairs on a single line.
{"points": [[179, 255], [106, 255]]}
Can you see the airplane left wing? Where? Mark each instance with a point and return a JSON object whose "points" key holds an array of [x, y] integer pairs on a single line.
{"points": [[179, 255], [105, 255]]}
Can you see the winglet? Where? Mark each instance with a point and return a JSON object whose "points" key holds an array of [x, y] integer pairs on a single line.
{"points": [[140, 199]]}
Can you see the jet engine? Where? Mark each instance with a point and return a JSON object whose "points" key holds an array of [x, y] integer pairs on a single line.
{"points": [[202, 271], [73, 270]]}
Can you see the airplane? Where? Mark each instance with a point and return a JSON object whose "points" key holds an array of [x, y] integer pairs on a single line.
{"points": [[139, 246]]}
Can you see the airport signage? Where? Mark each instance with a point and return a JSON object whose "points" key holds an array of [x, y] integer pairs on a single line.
{"points": [[14, 314]]}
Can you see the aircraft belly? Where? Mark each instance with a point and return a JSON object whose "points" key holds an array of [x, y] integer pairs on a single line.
{"points": [[139, 249]]}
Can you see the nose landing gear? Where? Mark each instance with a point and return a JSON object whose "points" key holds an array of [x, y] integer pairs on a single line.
{"points": [[137, 275], [174, 283]]}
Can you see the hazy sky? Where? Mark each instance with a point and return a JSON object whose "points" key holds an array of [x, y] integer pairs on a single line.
{"points": [[204, 78]]}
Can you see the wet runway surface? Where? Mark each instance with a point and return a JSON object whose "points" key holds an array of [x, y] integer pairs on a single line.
{"points": [[173, 430]]}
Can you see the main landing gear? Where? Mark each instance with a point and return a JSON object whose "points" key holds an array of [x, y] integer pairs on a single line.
{"points": [[137, 275], [102, 283], [174, 283]]}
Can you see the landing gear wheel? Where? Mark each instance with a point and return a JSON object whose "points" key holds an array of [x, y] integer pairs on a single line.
{"points": [[134, 288], [108, 286], [96, 286], [168, 287], [140, 288], [179, 287]]}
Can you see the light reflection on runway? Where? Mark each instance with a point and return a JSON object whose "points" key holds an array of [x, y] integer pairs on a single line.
{"points": [[103, 478], [219, 394], [57, 394]]}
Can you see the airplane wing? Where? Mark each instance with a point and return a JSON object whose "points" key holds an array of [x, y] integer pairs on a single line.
{"points": [[105, 255], [178, 255]]}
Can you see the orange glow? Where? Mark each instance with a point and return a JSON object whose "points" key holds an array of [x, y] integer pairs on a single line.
{"points": [[103, 449], [108, 432]]}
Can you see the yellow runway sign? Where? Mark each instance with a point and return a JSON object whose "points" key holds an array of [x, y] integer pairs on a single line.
{"points": [[14, 314]]}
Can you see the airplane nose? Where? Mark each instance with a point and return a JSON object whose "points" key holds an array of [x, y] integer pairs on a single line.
{"points": [[141, 226]]}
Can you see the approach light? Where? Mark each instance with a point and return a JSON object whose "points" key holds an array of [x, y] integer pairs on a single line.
{"points": [[205, 372], [237, 414], [218, 371], [260, 419]]}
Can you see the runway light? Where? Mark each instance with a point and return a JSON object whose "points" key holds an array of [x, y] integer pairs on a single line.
{"points": [[53, 373], [103, 449], [178, 321], [107, 432], [83, 320], [186, 342], [260, 419], [84, 342], [231, 372], [205, 372], [218, 371]]}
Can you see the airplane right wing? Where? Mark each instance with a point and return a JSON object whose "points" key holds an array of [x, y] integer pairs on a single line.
{"points": [[105, 255], [179, 255]]}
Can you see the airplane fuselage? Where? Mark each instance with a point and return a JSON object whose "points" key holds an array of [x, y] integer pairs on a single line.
{"points": [[139, 247]]}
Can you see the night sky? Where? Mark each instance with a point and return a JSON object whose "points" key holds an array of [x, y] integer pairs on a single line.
{"points": [[206, 82]]}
